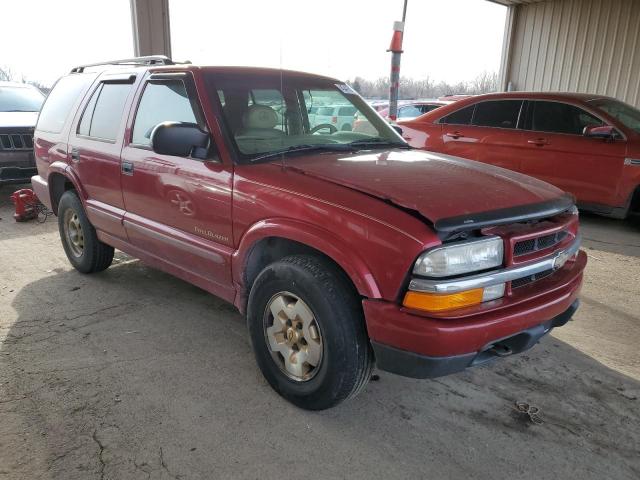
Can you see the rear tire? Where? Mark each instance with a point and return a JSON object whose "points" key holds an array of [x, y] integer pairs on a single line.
{"points": [[84, 250], [311, 298]]}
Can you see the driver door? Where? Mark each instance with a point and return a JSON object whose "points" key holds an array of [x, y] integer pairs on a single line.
{"points": [[178, 209]]}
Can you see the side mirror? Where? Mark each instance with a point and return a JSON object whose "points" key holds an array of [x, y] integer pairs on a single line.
{"points": [[606, 132], [180, 139]]}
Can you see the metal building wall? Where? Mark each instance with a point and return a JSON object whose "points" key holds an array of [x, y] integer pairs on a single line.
{"points": [[588, 46]]}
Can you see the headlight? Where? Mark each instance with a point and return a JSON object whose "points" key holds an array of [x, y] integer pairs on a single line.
{"points": [[460, 258]]}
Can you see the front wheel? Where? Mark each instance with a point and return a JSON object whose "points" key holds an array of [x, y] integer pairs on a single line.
{"points": [[84, 250], [308, 334]]}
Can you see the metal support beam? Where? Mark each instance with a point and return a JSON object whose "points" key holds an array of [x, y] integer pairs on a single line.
{"points": [[507, 42], [150, 23]]}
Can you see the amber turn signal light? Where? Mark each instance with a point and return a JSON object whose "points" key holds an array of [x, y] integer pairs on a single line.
{"points": [[437, 302]]}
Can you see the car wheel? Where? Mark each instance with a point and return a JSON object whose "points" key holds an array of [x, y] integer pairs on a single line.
{"points": [[346, 127], [86, 253], [307, 331]]}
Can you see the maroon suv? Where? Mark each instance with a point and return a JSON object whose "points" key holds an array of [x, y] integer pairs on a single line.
{"points": [[345, 250]]}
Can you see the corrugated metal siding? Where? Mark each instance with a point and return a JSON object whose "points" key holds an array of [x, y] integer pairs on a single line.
{"points": [[590, 46]]}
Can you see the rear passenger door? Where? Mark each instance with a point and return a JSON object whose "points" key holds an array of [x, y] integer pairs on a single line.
{"points": [[95, 144], [491, 136], [555, 150], [177, 208]]}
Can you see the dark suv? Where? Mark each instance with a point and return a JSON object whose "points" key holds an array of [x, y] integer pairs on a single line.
{"points": [[344, 249], [19, 107]]}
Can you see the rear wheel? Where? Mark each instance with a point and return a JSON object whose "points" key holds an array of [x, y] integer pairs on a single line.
{"points": [[84, 250], [307, 330]]}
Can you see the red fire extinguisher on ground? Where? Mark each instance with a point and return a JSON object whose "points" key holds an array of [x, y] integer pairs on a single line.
{"points": [[26, 204]]}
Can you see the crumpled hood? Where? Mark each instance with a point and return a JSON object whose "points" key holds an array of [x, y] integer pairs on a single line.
{"points": [[437, 186], [18, 119]]}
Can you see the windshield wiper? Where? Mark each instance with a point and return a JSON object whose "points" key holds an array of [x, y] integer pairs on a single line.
{"points": [[381, 142], [337, 147]]}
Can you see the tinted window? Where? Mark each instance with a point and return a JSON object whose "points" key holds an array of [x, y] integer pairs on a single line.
{"points": [[428, 108], [325, 111], [59, 102], [161, 102], [103, 120], [459, 117], [20, 99], [502, 114], [555, 117]]}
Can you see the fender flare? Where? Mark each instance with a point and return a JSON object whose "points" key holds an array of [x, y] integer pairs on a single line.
{"points": [[318, 238], [66, 171]]}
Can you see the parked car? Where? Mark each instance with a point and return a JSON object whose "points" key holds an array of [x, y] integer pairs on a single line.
{"points": [[413, 109], [406, 111], [344, 250], [338, 116], [19, 107], [588, 145]]}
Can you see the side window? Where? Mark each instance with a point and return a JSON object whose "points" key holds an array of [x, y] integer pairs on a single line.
{"points": [[103, 114], [58, 104], [459, 117], [427, 108], [501, 114], [556, 117], [162, 101]]}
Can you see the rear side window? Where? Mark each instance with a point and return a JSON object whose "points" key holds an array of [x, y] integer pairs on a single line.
{"points": [[556, 117], [165, 101], [346, 111], [58, 105], [325, 111], [103, 114], [501, 114], [459, 117]]}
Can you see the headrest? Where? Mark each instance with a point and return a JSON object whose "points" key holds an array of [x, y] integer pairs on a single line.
{"points": [[260, 116]]}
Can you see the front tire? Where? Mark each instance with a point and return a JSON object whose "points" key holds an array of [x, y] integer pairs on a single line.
{"points": [[84, 250], [307, 331]]}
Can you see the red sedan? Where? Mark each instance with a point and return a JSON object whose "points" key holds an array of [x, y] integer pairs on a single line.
{"points": [[588, 145]]}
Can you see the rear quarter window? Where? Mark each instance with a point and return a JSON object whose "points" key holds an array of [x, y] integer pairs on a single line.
{"points": [[459, 117], [58, 105]]}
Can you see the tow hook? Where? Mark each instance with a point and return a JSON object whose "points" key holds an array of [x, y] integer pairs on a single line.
{"points": [[500, 350]]}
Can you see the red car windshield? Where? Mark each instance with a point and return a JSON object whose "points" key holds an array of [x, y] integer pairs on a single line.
{"points": [[625, 114], [271, 113]]}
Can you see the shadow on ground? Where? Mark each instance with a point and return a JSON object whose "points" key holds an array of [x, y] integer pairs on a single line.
{"points": [[132, 374]]}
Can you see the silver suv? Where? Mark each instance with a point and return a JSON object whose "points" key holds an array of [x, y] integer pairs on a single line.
{"points": [[19, 107]]}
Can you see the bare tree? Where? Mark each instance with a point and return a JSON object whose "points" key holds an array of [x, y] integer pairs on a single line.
{"points": [[5, 74]]}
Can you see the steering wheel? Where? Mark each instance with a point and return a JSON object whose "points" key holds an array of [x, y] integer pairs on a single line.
{"points": [[332, 128]]}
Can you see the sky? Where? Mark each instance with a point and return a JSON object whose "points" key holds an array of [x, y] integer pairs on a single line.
{"points": [[450, 40]]}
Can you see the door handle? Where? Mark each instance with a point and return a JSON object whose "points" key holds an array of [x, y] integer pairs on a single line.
{"points": [[538, 141], [75, 154], [127, 168], [454, 135]]}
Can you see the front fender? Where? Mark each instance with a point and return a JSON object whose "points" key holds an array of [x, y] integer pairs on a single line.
{"points": [[320, 239]]}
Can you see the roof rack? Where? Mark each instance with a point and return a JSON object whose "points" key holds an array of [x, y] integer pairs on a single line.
{"points": [[149, 60]]}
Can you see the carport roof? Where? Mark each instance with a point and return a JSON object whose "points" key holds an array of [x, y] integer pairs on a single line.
{"points": [[514, 2]]}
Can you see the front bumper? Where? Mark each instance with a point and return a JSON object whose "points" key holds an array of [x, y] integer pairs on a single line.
{"points": [[16, 167], [414, 365], [468, 332]]}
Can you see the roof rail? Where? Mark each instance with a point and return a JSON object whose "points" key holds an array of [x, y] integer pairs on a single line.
{"points": [[149, 60]]}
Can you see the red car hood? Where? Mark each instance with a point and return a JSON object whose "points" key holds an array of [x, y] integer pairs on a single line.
{"points": [[437, 186]]}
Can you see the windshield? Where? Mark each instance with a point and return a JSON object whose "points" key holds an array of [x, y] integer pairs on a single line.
{"points": [[625, 114], [20, 99], [270, 113]]}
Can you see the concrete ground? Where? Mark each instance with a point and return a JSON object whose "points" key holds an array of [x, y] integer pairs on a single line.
{"points": [[134, 374]]}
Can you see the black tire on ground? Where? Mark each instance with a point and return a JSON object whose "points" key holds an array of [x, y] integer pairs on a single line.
{"points": [[95, 255], [347, 357]]}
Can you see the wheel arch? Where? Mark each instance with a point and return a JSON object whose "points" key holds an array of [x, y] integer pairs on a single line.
{"points": [[269, 240], [60, 180]]}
